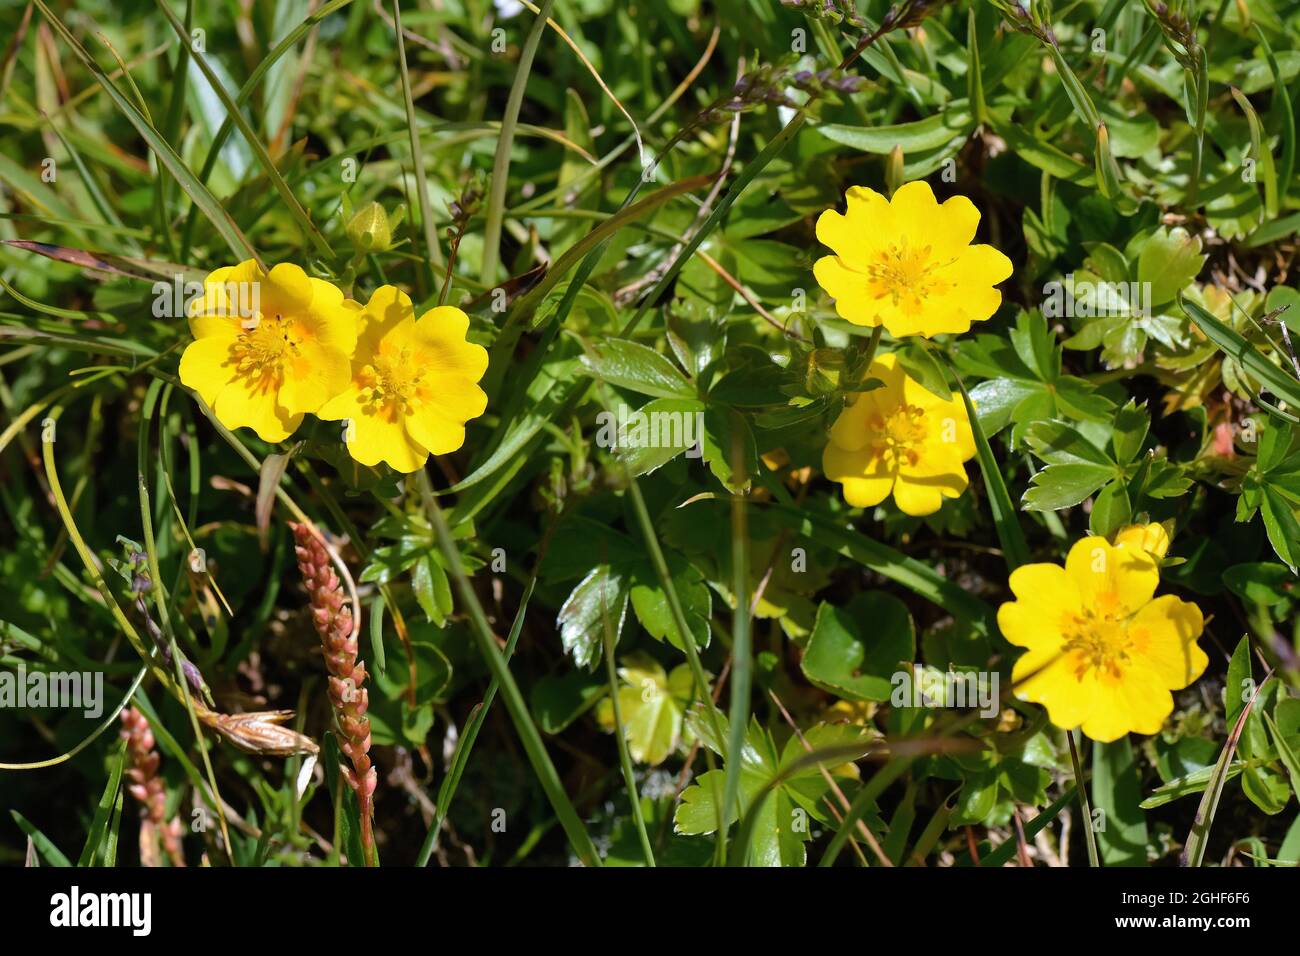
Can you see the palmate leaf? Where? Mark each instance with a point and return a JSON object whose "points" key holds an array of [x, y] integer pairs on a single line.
{"points": [[1272, 487], [1075, 467], [1023, 382], [791, 793], [652, 703]]}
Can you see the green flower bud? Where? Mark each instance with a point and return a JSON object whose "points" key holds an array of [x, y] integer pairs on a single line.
{"points": [[369, 229]]}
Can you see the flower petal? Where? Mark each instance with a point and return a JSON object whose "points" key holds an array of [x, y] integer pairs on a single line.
{"points": [[1164, 635], [205, 366], [1112, 581], [286, 290], [923, 496], [251, 403], [867, 479], [313, 375], [435, 430], [867, 222], [1126, 704]]}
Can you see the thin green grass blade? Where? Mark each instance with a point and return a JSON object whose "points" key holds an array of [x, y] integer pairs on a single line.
{"points": [[197, 192], [1015, 550], [97, 836], [1273, 378], [50, 853], [309, 228], [501, 162], [529, 736]]}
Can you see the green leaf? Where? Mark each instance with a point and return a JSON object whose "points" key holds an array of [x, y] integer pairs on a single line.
{"points": [[1282, 527], [1187, 785], [933, 132], [632, 365], [650, 602], [1263, 583], [432, 589], [1059, 444], [558, 700], [1111, 509], [921, 366], [98, 837], [855, 651], [50, 853], [602, 593], [1131, 424], [723, 429], [1275, 379], [1062, 486], [1117, 793], [792, 792], [656, 433], [1286, 753], [652, 704], [1015, 551], [1170, 259]]}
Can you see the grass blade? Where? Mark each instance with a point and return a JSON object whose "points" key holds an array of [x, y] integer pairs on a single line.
{"points": [[1194, 849], [501, 162], [1012, 537], [529, 736], [255, 143], [432, 251], [197, 192], [1275, 379]]}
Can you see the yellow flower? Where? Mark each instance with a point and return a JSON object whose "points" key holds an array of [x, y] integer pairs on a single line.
{"points": [[1151, 538], [907, 263], [1103, 652], [414, 383], [268, 347], [902, 439]]}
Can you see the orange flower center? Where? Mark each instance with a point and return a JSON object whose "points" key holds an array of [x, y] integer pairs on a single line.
{"points": [[393, 382], [260, 352], [904, 274], [900, 433], [1097, 638]]}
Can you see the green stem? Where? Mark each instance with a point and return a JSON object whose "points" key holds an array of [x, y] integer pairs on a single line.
{"points": [[501, 162], [1089, 837], [688, 639], [547, 776], [741, 650], [624, 756], [432, 252]]}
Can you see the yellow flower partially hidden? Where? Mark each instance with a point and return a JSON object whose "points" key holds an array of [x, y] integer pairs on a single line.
{"points": [[907, 263], [414, 383], [1103, 651], [268, 347], [900, 439]]}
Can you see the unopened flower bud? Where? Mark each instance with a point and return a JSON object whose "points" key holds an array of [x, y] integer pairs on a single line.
{"points": [[369, 229]]}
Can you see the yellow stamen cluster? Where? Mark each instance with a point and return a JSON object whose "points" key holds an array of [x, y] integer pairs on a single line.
{"points": [[905, 275], [899, 434], [392, 384]]}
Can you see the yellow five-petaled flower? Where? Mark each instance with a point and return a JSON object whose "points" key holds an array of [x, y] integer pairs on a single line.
{"points": [[268, 346], [1103, 651], [907, 263], [414, 383], [900, 439]]}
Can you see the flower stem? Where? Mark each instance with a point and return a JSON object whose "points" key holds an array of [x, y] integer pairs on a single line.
{"points": [[1089, 836]]}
